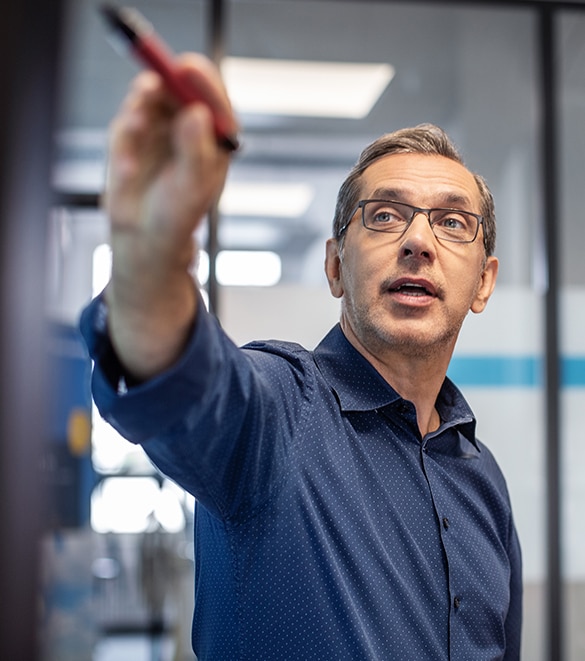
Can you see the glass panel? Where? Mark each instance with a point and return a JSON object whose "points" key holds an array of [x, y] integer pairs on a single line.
{"points": [[101, 597], [472, 71], [97, 68], [572, 241]]}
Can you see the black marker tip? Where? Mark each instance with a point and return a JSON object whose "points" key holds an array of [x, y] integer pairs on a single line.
{"points": [[117, 21]]}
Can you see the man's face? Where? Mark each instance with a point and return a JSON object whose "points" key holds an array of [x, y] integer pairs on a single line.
{"points": [[411, 291]]}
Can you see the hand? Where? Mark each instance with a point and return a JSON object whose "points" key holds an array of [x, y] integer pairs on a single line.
{"points": [[165, 171], [166, 168]]}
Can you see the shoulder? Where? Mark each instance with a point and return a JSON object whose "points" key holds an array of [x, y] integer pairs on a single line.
{"points": [[285, 366], [279, 354], [279, 349]]}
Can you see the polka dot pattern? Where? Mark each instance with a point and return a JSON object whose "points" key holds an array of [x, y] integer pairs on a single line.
{"points": [[326, 528]]}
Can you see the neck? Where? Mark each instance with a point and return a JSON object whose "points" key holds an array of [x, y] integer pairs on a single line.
{"points": [[418, 383], [417, 376]]}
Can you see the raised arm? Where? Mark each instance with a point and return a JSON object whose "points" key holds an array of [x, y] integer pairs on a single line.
{"points": [[165, 171]]}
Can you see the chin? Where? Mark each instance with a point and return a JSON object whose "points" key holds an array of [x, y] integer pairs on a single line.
{"points": [[412, 339]]}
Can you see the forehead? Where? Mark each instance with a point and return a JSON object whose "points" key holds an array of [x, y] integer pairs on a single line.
{"points": [[421, 179]]}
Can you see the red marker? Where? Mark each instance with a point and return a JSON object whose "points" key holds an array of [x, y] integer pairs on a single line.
{"points": [[152, 52]]}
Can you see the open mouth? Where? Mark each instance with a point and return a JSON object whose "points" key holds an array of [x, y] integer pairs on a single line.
{"points": [[412, 288]]}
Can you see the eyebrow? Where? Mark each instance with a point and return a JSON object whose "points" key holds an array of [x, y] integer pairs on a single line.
{"points": [[448, 198]]}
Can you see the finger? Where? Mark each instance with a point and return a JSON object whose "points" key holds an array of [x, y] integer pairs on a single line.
{"points": [[203, 75], [146, 107], [139, 142], [200, 164]]}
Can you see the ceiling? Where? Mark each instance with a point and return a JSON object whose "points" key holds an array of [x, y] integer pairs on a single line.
{"points": [[471, 69]]}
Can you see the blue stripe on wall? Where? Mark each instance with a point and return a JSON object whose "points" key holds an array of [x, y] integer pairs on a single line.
{"points": [[573, 372], [512, 371]]}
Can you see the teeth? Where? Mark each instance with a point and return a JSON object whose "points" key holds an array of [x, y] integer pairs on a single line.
{"points": [[408, 285], [412, 287]]}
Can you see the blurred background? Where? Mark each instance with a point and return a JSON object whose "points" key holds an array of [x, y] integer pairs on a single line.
{"points": [[313, 82]]}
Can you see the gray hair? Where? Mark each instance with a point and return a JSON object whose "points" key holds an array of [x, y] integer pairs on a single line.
{"points": [[422, 139]]}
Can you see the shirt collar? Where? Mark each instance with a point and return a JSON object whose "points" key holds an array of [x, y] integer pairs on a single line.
{"points": [[360, 387]]}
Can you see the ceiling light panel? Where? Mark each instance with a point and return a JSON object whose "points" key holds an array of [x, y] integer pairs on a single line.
{"points": [[266, 199], [305, 88]]}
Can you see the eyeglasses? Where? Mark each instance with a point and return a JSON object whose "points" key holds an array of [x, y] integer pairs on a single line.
{"points": [[395, 217]]}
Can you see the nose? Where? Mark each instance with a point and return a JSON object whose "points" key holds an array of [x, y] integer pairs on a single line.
{"points": [[418, 240]]}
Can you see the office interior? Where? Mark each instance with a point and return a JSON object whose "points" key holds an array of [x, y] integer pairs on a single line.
{"points": [[105, 572]]}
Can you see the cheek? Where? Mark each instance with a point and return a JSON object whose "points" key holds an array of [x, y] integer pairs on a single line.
{"points": [[467, 287], [461, 270], [359, 276]]}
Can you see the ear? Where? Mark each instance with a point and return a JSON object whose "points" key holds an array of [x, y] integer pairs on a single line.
{"points": [[333, 268], [486, 285]]}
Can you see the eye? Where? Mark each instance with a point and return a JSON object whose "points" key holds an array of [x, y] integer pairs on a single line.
{"points": [[385, 216], [382, 213], [454, 222]]}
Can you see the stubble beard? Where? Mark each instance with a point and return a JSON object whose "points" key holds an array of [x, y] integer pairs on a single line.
{"points": [[380, 336]]}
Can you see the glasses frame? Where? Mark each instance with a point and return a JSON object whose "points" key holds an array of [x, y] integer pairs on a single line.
{"points": [[415, 211]]}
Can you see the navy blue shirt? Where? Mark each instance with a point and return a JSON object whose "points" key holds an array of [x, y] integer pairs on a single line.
{"points": [[326, 528]]}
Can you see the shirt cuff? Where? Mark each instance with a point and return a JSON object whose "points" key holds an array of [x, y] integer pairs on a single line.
{"points": [[142, 411]]}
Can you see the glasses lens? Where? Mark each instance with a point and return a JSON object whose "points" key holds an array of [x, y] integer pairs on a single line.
{"points": [[386, 216], [453, 225]]}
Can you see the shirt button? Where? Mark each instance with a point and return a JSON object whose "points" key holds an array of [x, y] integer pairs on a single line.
{"points": [[457, 602], [445, 523]]}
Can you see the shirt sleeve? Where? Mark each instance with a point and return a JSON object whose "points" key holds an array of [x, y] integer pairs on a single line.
{"points": [[220, 422]]}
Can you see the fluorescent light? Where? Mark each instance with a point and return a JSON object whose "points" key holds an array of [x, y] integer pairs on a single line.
{"points": [[253, 268], [276, 200], [305, 88], [245, 268]]}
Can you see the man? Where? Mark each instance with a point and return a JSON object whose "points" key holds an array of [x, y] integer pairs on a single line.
{"points": [[345, 509]]}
